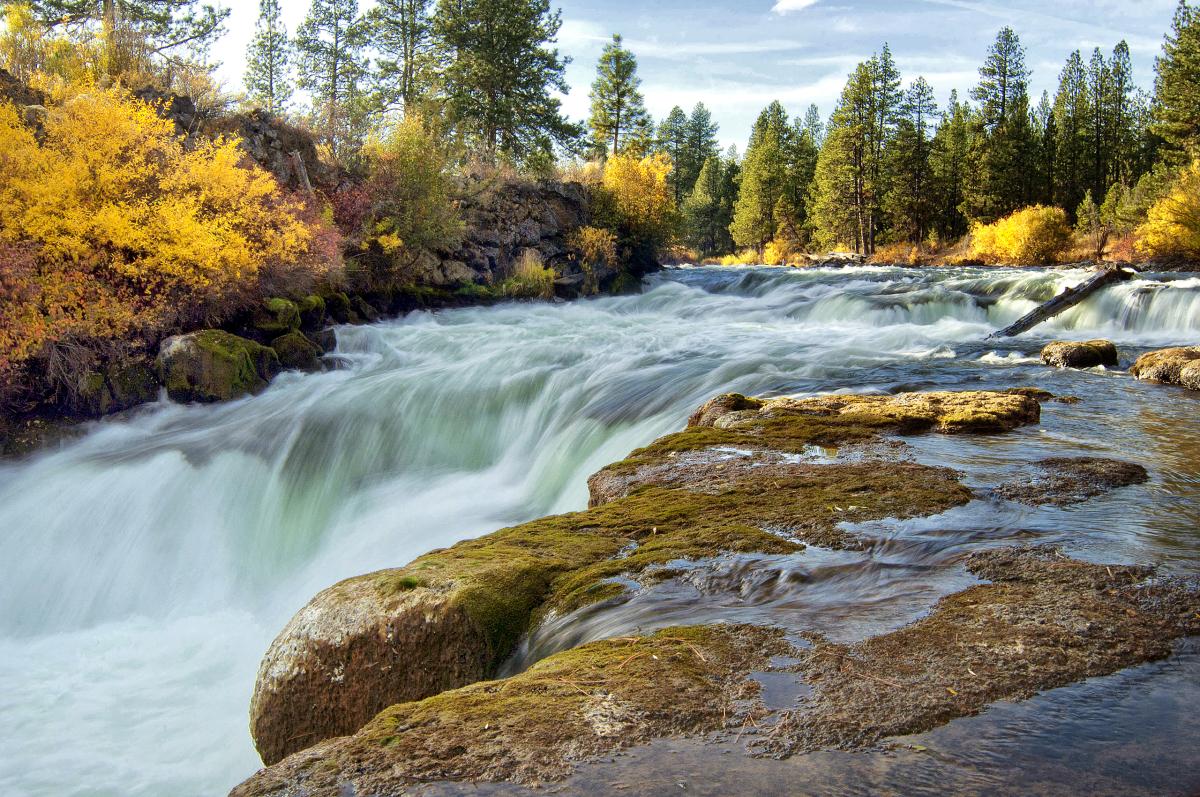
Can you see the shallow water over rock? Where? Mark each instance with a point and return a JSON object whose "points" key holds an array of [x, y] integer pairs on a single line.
{"points": [[147, 566]]}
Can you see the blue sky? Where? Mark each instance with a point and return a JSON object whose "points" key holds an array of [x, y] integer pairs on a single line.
{"points": [[738, 56]]}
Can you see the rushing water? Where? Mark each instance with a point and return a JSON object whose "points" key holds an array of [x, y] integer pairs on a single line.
{"points": [[145, 567]]}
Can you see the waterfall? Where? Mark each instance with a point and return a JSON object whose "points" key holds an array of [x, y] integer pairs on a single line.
{"points": [[147, 565]]}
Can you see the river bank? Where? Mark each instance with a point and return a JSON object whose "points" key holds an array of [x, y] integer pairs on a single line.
{"points": [[441, 427]]}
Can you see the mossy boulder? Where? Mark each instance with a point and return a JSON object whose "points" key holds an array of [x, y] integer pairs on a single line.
{"points": [[1080, 354], [324, 675], [312, 313], [337, 305], [276, 317], [117, 387], [1177, 366], [213, 365], [297, 352], [1041, 620]]}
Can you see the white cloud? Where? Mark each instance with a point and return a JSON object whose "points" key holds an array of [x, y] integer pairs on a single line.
{"points": [[788, 6]]}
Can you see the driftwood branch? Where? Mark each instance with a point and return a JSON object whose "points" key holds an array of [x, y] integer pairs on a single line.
{"points": [[1065, 301]]}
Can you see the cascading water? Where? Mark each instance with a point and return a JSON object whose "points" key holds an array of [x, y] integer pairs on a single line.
{"points": [[145, 567]]}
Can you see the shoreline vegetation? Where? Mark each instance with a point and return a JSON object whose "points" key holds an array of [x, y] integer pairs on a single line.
{"points": [[141, 201]]}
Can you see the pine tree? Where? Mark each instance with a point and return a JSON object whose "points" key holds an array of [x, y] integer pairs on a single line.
{"points": [[673, 140], [332, 66], [1046, 133], [136, 30], [269, 60], [910, 200], [701, 136], [502, 73], [401, 31], [1122, 116], [815, 125], [1099, 121], [1177, 85], [949, 161], [762, 180], [707, 211], [999, 176], [1072, 116], [618, 108]]}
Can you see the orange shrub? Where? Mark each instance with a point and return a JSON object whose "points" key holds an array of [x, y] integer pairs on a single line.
{"points": [[636, 196]]}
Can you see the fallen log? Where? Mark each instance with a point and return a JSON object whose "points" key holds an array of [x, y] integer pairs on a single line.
{"points": [[1064, 301]]}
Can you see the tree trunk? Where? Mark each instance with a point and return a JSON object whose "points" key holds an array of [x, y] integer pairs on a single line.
{"points": [[1064, 301]]}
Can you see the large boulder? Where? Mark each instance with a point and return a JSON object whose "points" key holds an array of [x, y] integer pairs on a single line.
{"points": [[297, 352], [355, 649], [213, 365], [1080, 354], [118, 386], [1178, 366]]}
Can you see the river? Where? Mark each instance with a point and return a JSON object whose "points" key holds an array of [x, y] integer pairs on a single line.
{"points": [[146, 566]]}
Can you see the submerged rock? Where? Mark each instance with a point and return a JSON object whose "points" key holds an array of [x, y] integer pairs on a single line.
{"points": [[1043, 621], [213, 365], [1178, 366], [1076, 354], [1063, 481]]}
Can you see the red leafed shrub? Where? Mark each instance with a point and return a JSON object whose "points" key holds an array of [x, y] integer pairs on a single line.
{"points": [[351, 206]]}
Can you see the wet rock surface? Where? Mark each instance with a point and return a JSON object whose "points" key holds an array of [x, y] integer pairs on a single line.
{"points": [[1085, 354], [1062, 481], [1044, 621], [1178, 366], [213, 365]]}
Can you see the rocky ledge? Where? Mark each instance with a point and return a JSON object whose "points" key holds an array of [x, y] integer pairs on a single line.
{"points": [[382, 681]]}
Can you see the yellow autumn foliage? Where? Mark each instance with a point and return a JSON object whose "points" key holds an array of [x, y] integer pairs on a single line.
{"points": [[1032, 236], [1172, 227], [127, 231], [637, 195]]}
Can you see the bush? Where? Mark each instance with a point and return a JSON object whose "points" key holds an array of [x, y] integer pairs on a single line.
{"points": [[411, 196], [531, 279], [133, 236], [746, 257], [1172, 227], [1034, 236], [635, 198], [597, 248]]}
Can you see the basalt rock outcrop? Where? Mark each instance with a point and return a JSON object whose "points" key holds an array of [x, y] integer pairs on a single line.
{"points": [[1177, 366], [1080, 354], [681, 498]]}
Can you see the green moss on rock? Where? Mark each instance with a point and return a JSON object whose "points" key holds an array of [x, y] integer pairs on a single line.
{"points": [[277, 317], [213, 365], [312, 313], [297, 352]]}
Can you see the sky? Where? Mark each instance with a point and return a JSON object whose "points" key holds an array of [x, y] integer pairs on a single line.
{"points": [[736, 56]]}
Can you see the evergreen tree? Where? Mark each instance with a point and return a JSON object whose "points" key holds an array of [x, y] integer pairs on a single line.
{"points": [[911, 200], [999, 179], [401, 31], [268, 60], [814, 125], [1099, 122], [501, 75], [702, 144], [949, 161], [673, 140], [618, 108], [708, 210], [762, 180], [1177, 84], [135, 30], [332, 66], [1123, 123], [1046, 134], [1072, 117]]}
